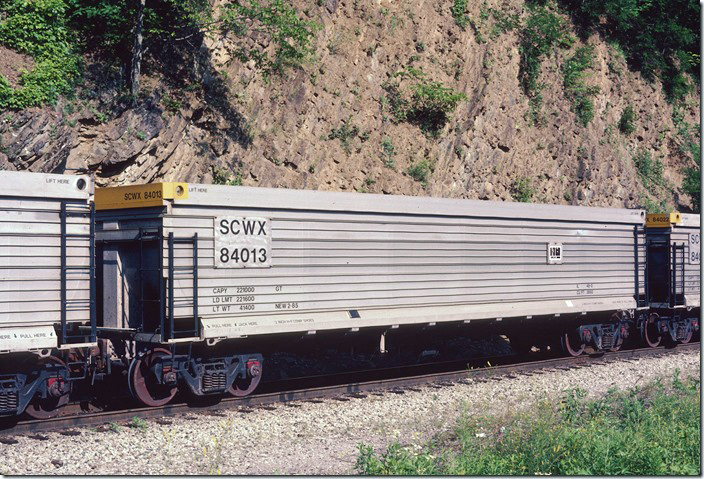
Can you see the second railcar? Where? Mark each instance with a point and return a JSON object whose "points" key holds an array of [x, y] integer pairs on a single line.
{"points": [[673, 278], [220, 266]]}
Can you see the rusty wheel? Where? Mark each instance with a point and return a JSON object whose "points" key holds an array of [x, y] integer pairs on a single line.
{"points": [[687, 338], [651, 333], [244, 386], [142, 380], [572, 344], [58, 391]]}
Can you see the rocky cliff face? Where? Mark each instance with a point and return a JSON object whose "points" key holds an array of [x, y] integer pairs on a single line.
{"points": [[329, 126]]}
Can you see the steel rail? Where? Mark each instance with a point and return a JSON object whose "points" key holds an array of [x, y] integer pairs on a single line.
{"points": [[339, 391]]}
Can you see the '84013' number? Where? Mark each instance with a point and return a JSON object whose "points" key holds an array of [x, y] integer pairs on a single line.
{"points": [[243, 255]]}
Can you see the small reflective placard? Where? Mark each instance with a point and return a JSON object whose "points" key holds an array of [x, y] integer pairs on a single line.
{"points": [[694, 248], [242, 242], [554, 253]]}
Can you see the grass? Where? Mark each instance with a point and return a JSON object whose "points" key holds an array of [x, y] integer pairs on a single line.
{"points": [[650, 431], [138, 423]]}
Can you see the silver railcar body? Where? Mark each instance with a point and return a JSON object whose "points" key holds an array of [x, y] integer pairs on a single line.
{"points": [[239, 261], [45, 258]]}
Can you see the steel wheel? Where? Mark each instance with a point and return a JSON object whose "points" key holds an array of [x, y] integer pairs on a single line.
{"points": [[572, 344], [59, 390], [687, 338], [651, 334], [244, 386], [143, 383]]}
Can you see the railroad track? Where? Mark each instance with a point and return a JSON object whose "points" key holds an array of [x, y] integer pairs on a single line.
{"points": [[343, 390]]}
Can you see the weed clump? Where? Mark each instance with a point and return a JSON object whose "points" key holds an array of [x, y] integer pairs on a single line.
{"points": [[420, 172], [420, 101], [649, 431], [522, 190], [575, 88], [222, 176], [627, 122], [543, 30], [459, 13]]}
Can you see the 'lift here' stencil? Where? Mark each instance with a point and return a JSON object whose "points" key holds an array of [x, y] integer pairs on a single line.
{"points": [[242, 242]]}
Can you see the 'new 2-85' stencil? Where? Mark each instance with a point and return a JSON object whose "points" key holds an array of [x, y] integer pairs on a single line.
{"points": [[242, 242]]}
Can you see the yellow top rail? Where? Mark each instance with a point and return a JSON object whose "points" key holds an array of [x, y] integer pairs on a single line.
{"points": [[139, 196], [662, 220]]}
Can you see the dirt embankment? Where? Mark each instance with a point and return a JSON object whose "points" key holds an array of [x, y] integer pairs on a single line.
{"points": [[282, 133]]}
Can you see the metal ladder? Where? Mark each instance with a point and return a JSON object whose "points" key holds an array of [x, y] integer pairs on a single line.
{"points": [[72, 335], [184, 328], [677, 275]]}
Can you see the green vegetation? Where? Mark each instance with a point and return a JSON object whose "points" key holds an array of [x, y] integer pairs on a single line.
{"points": [[649, 431], [38, 29], [692, 186], [650, 172], [171, 103], [688, 145], [346, 132], [627, 122], [459, 13], [522, 190], [138, 423], [658, 37], [543, 31], [656, 198], [416, 99], [421, 172], [387, 147], [222, 176], [52, 32], [575, 88]]}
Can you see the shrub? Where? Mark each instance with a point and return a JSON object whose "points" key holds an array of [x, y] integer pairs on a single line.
{"points": [[38, 29], [659, 38], [522, 190], [573, 81], [627, 122], [650, 172], [542, 31], [416, 99], [420, 172], [221, 176], [459, 13], [346, 132], [692, 186], [387, 148]]}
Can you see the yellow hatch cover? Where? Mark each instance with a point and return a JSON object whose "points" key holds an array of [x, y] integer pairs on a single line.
{"points": [[662, 220], [139, 196]]}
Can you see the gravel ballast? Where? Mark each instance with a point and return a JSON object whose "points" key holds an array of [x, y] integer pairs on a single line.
{"points": [[309, 437]]}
